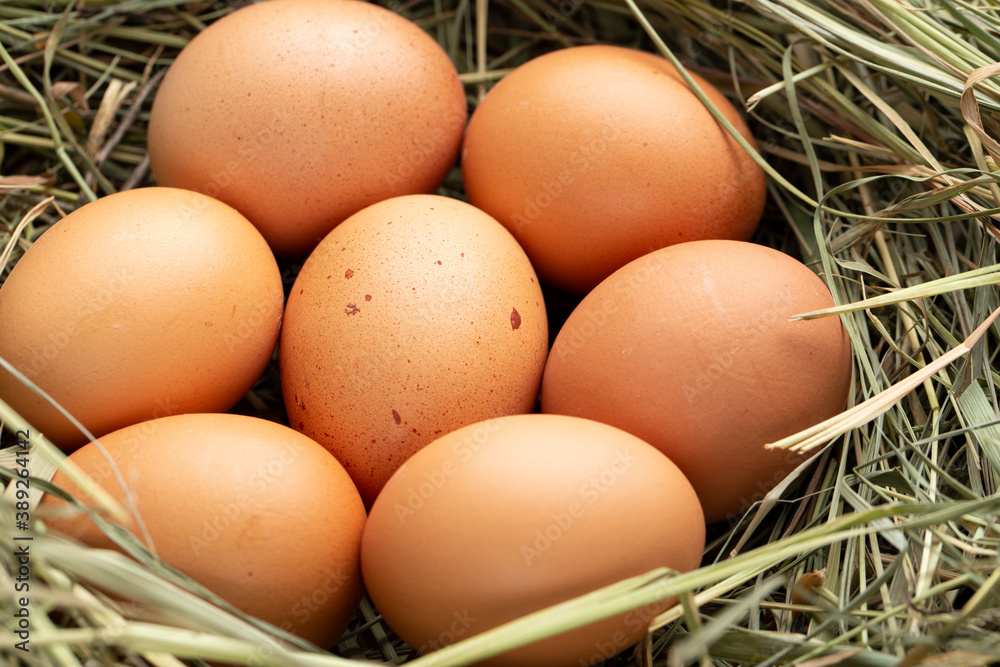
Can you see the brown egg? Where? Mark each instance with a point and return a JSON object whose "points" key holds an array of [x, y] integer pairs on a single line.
{"points": [[691, 349], [595, 155], [257, 513], [509, 516], [142, 304], [414, 317], [300, 113]]}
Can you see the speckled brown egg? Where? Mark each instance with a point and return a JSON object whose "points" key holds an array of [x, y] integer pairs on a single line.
{"points": [[254, 511], [509, 516], [412, 318], [595, 155], [142, 304], [691, 349], [301, 112]]}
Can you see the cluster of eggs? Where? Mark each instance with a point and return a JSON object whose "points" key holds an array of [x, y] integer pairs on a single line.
{"points": [[414, 341]]}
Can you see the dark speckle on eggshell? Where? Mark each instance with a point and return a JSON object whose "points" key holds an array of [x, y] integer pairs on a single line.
{"points": [[432, 337]]}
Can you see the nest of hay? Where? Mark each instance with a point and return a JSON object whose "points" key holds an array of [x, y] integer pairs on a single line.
{"points": [[877, 121]]}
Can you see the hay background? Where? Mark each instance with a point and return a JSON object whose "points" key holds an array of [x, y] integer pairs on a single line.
{"points": [[880, 101]]}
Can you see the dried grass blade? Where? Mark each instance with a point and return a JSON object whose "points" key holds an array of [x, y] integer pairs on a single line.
{"points": [[988, 275], [688, 649], [981, 419], [114, 97], [893, 115], [28, 218], [25, 82], [126, 578], [863, 413], [40, 446], [970, 108]]}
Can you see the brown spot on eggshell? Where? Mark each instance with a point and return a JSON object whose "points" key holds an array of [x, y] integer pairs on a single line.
{"points": [[395, 417], [515, 319], [348, 274], [429, 339], [352, 309], [368, 297]]}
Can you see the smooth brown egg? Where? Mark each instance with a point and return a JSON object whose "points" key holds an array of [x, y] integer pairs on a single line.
{"points": [[595, 155], [254, 511], [509, 516], [691, 349], [412, 318], [300, 113], [142, 304]]}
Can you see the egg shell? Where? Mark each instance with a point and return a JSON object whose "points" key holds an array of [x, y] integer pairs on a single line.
{"points": [[257, 513], [596, 155], [509, 516], [300, 113], [691, 349], [414, 317], [142, 304]]}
